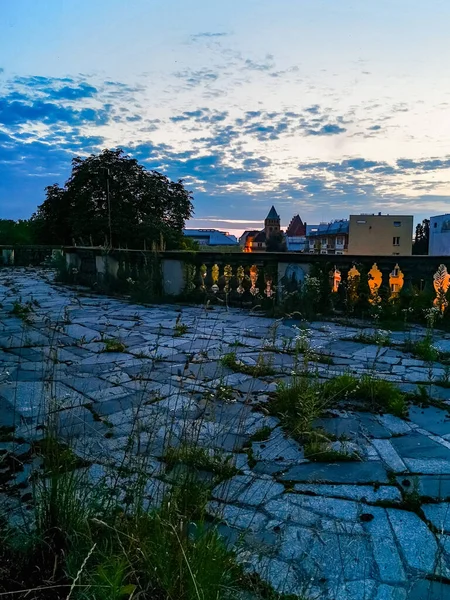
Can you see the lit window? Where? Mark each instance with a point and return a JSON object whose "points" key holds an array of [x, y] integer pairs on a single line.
{"points": [[396, 241], [360, 222], [397, 223]]}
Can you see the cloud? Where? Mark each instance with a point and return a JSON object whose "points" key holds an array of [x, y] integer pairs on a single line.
{"points": [[227, 154], [208, 34], [15, 112], [258, 66], [433, 164], [328, 129], [198, 77]]}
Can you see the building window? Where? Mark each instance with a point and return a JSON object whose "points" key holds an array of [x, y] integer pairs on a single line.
{"points": [[397, 223], [270, 229], [361, 222], [396, 241], [435, 225]]}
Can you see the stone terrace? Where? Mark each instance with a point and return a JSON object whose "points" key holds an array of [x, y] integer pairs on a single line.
{"points": [[335, 531]]}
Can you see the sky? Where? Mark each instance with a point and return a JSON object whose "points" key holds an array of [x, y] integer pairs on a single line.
{"points": [[322, 108]]}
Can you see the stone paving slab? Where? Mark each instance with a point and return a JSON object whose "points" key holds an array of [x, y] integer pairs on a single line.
{"points": [[326, 530]]}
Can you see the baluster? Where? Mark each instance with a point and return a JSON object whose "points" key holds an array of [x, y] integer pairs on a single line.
{"points": [[374, 280], [335, 277], [269, 291], [227, 274], [353, 278], [253, 278], [441, 283], [215, 278], [240, 274], [203, 270]]}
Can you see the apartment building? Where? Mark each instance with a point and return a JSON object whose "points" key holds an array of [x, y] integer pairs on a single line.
{"points": [[380, 235], [439, 244], [328, 238]]}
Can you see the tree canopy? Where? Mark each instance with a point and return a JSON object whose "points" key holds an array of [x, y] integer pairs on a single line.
{"points": [[16, 232], [422, 237], [276, 242], [110, 199]]}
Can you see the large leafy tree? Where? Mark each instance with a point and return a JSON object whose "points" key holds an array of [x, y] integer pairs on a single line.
{"points": [[16, 232], [422, 237], [111, 199]]}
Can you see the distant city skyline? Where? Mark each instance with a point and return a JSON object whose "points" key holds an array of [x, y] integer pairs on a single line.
{"points": [[323, 109]]}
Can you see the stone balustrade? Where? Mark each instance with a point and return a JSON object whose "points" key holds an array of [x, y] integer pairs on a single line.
{"points": [[244, 277]]}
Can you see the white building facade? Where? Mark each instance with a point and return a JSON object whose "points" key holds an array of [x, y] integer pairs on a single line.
{"points": [[439, 244]]}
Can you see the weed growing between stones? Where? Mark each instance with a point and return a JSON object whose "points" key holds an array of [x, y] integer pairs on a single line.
{"points": [[23, 310], [423, 349], [96, 536], [262, 368], [304, 400], [113, 345], [202, 459], [379, 337], [180, 328]]}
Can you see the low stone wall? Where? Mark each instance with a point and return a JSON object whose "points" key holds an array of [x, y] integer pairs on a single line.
{"points": [[242, 277], [24, 256]]}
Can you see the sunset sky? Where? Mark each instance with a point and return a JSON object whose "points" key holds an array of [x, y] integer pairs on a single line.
{"points": [[320, 107]]}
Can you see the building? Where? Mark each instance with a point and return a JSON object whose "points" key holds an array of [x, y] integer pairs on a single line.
{"points": [[380, 235], [328, 238], [211, 237], [255, 241], [439, 244], [296, 235]]}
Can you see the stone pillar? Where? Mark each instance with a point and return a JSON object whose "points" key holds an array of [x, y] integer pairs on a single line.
{"points": [[73, 261], [7, 256], [173, 277]]}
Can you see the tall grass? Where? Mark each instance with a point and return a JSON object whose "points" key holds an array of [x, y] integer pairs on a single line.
{"points": [[98, 539]]}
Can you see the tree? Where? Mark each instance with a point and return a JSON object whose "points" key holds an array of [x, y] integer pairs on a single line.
{"points": [[16, 232], [422, 237], [276, 242], [111, 199]]}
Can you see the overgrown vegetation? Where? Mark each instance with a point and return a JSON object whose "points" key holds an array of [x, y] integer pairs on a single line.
{"points": [[302, 402], [23, 310], [83, 546], [180, 327], [262, 368], [202, 459], [113, 345]]}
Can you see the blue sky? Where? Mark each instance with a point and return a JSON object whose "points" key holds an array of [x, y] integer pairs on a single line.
{"points": [[322, 108]]}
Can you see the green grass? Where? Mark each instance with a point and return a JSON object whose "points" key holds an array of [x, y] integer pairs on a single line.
{"points": [[113, 345], [22, 311], [82, 535], [261, 369], [180, 329], [300, 403], [320, 452], [262, 434], [422, 349], [202, 460], [379, 338]]}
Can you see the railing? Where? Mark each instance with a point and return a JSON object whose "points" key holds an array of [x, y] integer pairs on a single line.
{"points": [[236, 277]]}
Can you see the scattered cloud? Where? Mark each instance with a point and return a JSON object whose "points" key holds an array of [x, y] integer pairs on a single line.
{"points": [[208, 34], [228, 155], [195, 78]]}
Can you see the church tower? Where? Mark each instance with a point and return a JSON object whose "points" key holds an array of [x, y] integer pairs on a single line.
{"points": [[272, 223]]}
